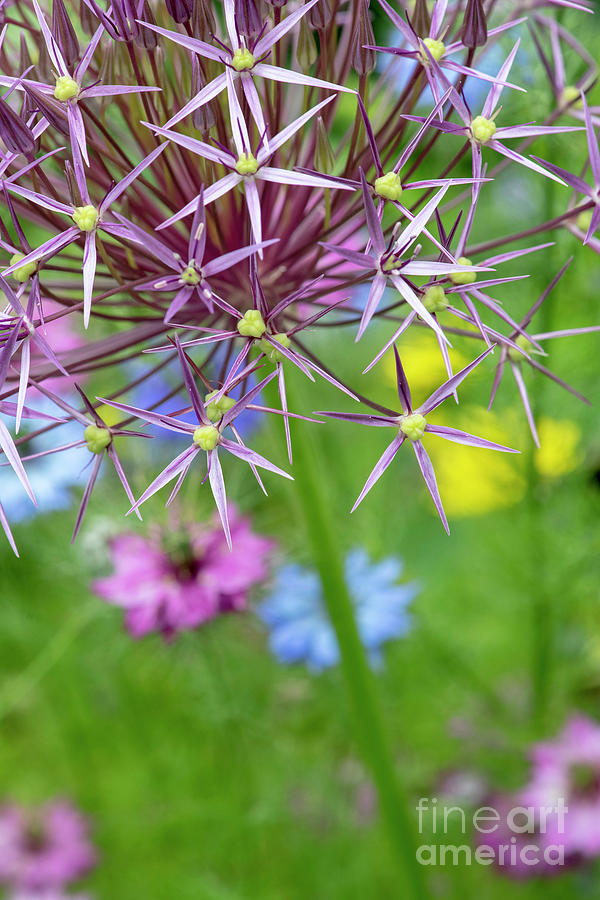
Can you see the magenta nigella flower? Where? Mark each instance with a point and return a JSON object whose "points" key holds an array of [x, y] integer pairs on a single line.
{"points": [[177, 580], [568, 767], [412, 424], [43, 849]]}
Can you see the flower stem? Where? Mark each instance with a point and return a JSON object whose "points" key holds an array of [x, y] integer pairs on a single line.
{"points": [[542, 608], [359, 680]]}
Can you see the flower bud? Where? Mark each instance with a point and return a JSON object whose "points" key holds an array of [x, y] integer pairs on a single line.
{"points": [[217, 409], [23, 273], [206, 437], [85, 217], [252, 325], [203, 118], [246, 164], [64, 33], [272, 353], [180, 10], [86, 18], [49, 108], [434, 299], [248, 19], [324, 156], [482, 129], [143, 37], [320, 14], [524, 344], [66, 88], [363, 60], [474, 28], [388, 186], [97, 438], [306, 50], [413, 426], [242, 59], [203, 20], [420, 19], [463, 277], [17, 137]]}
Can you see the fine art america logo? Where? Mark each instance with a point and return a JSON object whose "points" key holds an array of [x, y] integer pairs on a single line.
{"points": [[511, 838]]}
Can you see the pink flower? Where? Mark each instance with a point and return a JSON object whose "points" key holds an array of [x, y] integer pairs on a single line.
{"points": [[175, 581], [557, 813], [51, 894], [569, 767], [44, 848]]}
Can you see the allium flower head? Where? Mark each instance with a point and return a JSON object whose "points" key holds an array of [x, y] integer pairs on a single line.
{"points": [[215, 182]]}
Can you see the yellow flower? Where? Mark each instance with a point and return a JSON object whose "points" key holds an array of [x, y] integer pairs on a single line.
{"points": [[559, 451], [474, 481]]}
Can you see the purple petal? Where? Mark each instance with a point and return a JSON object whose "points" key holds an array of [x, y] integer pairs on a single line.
{"points": [[7, 531], [10, 451], [430, 481], [207, 93], [87, 494], [217, 484], [125, 182], [190, 384], [402, 384], [155, 418], [380, 466], [462, 437], [378, 286], [290, 76], [250, 456], [448, 388], [525, 400], [89, 273], [168, 474], [493, 97], [253, 203]]}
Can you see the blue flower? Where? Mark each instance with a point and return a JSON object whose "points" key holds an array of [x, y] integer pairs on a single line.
{"points": [[52, 476], [300, 629]]}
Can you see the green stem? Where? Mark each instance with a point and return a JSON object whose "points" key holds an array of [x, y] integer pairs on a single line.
{"points": [[542, 607], [358, 677]]}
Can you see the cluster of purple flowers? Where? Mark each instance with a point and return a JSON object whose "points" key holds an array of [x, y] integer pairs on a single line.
{"points": [[211, 179], [43, 851]]}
